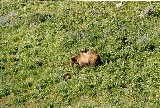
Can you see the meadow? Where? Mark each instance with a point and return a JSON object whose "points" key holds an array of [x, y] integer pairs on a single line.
{"points": [[37, 40]]}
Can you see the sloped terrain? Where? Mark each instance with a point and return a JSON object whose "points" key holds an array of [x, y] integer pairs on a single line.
{"points": [[37, 40]]}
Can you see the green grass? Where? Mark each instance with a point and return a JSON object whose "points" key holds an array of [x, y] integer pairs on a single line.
{"points": [[37, 39]]}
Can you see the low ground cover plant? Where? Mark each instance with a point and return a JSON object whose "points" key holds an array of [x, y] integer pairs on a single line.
{"points": [[38, 38]]}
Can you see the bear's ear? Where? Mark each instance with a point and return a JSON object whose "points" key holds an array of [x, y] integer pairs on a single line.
{"points": [[83, 51], [86, 50]]}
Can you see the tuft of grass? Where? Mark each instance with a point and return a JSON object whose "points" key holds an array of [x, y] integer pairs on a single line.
{"points": [[37, 40]]}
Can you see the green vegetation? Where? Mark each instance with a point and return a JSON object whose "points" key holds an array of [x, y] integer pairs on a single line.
{"points": [[37, 40]]}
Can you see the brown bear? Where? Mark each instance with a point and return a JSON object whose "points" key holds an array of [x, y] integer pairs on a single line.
{"points": [[86, 58]]}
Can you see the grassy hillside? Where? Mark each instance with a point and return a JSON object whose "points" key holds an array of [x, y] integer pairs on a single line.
{"points": [[37, 40]]}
